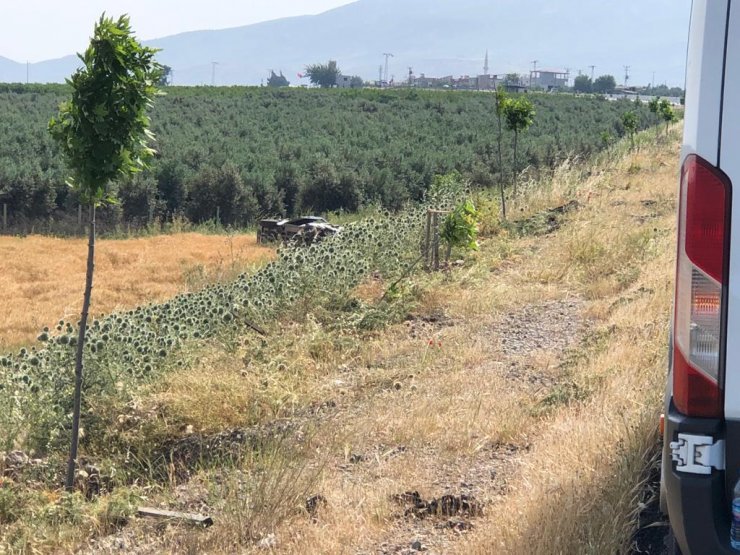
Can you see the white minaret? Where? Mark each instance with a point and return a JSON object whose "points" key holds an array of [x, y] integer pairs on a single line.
{"points": [[485, 64]]}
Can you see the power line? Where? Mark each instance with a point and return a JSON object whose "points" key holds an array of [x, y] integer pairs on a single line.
{"points": [[626, 75]]}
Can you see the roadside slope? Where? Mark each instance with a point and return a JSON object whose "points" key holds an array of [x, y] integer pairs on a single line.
{"points": [[509, 405]]}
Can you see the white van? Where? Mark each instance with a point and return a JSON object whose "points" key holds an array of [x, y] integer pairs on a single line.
{"points": [[701, 453]]}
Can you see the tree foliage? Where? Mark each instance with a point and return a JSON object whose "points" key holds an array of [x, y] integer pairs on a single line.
{"points": [[519, 115], [605, 84], [631, 123], [460, 228], [166, 76], [388, 145], [103, 131], [582, 84], [323, 75]]}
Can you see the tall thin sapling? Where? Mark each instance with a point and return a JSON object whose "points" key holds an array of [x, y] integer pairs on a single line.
{"points": [[103, 132]]}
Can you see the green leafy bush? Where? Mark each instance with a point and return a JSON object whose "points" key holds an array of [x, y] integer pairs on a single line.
{"points": [[460, 228]]}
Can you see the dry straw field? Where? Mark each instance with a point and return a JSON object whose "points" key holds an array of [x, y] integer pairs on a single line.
{"points": [[41, 278]]}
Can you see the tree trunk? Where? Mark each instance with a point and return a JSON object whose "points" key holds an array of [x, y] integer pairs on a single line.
{"points": [[516, 175], [69, 483], [502, 177]]}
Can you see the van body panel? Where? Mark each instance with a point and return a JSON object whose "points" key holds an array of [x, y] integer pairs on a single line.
{"points": [[704, 75], [699, 505], [729, 160]]}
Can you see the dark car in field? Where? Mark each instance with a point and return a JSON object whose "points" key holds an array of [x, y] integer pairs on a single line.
{"points": [[307, 229]]}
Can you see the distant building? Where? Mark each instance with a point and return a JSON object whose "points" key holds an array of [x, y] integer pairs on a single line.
{"points": [[349, 82], [486, 82], [344, 81], [549, 79]]}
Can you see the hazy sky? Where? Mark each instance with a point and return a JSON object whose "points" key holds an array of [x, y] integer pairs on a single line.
{"points": [[35, 30]]}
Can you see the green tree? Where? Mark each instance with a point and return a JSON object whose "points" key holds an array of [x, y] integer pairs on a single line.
{"points": [[221, 195], [654, 107], [582, 84], [631, 121], [460, 228], [103, 133], [519, 114], [667, 113], [604, 84], [501, 99], [165, 78], [323, 75], [513, 79]]}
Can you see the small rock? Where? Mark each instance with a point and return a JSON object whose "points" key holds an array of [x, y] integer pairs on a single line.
{"points": [[417, 546], [313, 503], [268, 542]]}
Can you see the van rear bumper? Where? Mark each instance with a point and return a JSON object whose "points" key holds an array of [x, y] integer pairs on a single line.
{"points": [[697, 505]]}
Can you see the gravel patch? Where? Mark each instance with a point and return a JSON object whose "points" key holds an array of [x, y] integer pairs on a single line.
{"points": [[552, 326]]}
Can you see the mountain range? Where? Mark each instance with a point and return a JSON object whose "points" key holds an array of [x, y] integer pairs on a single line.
{"points": [[434, 37]]}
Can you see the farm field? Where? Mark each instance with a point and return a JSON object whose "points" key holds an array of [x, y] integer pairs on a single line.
{"points": [[254, 152], [507, 404], [41, 278]]}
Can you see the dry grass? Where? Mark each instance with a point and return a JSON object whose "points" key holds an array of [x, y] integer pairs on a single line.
{"points": [[571, 485], [552, 438], [41, 278]]}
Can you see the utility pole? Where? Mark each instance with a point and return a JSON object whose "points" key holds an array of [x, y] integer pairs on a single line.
{"points": [[626, 75], [534, 65], [387, 55], [567, 77], [652, 83], [593, 68], [380, 76], [213, 73], [411, 76]]}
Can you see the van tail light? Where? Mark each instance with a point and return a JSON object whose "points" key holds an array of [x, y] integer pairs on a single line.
{"points": [[701, 274]]}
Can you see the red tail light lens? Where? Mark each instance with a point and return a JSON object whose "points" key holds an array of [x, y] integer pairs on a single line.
{"points": [[703, 242]]}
